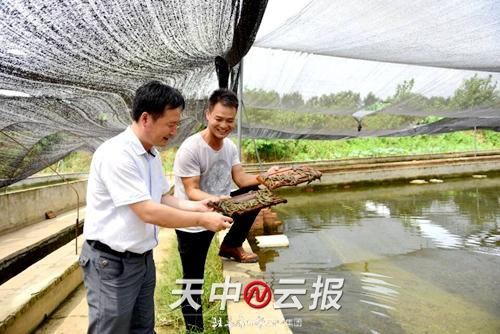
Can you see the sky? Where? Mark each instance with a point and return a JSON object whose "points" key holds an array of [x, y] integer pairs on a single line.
{"points": [[313, 75]]}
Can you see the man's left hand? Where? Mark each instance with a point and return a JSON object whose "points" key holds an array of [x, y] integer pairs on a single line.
{"points": [[202, 206]]}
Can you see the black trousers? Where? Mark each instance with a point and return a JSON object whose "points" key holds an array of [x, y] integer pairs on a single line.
{"points": [[193, 249]]}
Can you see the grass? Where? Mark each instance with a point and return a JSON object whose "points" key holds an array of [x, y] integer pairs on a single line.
{"points": [[167, 158], [303, 150], [275, 150], [171, 321], [75, 162]]}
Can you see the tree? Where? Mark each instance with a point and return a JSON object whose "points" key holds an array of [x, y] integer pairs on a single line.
{"points": [[261, 98], [292, 100], [405, 99], [326, 100], [347, 99], [313, 102], [438, 103], [370, 99], [475, 91], [403, 90], [341, 100]]}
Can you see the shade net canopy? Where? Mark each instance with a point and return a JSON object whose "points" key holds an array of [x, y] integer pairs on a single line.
{"points": [[326, 69], [69, 68], [318, 69]]}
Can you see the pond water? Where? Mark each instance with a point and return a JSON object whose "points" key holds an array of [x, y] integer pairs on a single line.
{"points": [[414, 258]]}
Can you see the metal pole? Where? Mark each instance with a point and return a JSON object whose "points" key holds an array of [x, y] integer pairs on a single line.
{"points": [[475, 141], [240, 105]]}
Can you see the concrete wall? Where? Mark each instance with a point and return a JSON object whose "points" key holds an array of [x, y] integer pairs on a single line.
{"points": [[34, 181], [23, 207], [386, 173], [28, 206]]}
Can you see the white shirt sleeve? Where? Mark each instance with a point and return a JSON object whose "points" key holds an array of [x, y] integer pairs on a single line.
{"points": [[123, 180]]}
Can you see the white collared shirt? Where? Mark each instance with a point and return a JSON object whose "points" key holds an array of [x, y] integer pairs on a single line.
{"points": [[122, 172]]}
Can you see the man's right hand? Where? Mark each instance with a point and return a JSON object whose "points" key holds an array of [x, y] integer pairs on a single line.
{"points": [[215, 222]]}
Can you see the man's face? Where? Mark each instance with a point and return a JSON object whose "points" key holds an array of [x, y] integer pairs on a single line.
{"points": [[221, 120], [164, 128]]}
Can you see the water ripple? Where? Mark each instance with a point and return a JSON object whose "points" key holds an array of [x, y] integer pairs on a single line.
{"points": [[438, 234]]}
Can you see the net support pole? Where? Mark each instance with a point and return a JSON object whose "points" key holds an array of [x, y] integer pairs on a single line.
{"points": [[475, 140], [240, 106]]}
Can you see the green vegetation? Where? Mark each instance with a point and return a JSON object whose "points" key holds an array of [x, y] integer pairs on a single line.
{"points": [[292, 111], [331, 112], [167, 157], [319, 113], [172, 319], [474, 92], [79, 162], [276, 150], [75, 162], [44, 146], [303, 150]]}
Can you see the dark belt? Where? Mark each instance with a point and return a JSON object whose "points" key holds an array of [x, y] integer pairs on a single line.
{"points": [[106, 249]]}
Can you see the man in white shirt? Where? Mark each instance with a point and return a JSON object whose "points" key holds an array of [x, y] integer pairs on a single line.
{"points": [[126, 202], [205, 165]]}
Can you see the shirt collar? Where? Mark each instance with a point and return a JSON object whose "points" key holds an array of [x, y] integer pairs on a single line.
{"points": [[136, 143]]}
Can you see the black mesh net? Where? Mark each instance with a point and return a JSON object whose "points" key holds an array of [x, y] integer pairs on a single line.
{"points": [[330, 69], [318, 69], [449, 33], [69, 69], [296, 95]]}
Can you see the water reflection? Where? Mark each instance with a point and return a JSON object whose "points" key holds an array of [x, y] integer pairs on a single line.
{"points": [[414, 258], [379, 292], [379, 209], [438, 234]]}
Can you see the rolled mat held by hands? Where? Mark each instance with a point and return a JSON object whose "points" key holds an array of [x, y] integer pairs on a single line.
{"points": [[289, 176], [251, 201]]}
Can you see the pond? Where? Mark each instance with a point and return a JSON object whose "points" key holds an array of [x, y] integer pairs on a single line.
{"points": [[414, 258]]}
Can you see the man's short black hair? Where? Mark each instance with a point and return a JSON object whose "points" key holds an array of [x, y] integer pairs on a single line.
{"points": [[153, 97], [223, 96]]}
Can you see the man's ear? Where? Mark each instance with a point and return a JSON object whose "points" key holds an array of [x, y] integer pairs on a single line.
{"points": [[144, 118]]}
